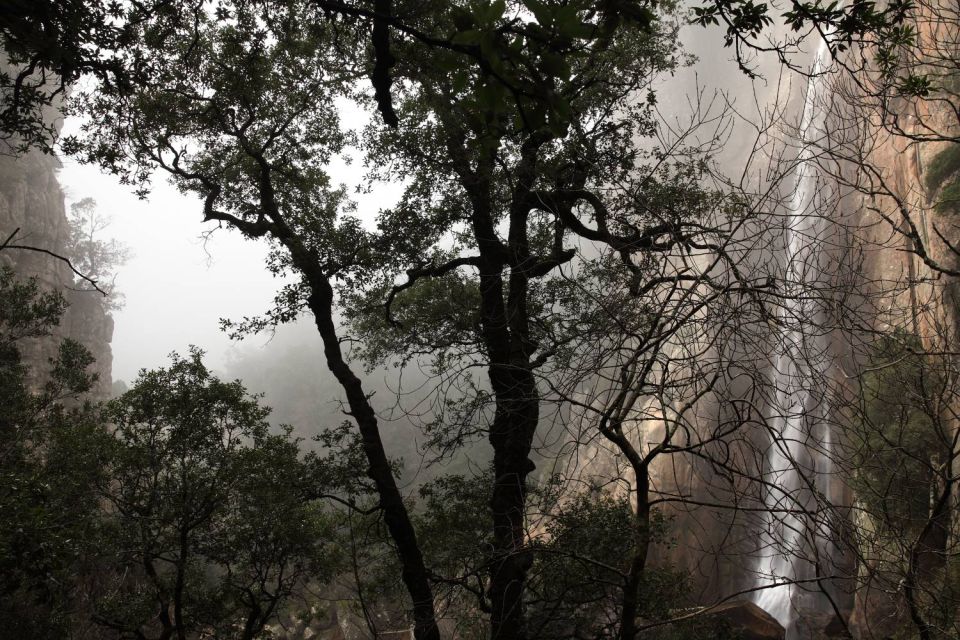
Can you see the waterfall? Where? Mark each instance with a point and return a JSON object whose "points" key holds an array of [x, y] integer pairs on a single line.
{"points": [[799, 454]]}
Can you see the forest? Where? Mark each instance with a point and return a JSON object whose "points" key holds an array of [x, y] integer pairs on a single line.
{"points": [[590, 319]]}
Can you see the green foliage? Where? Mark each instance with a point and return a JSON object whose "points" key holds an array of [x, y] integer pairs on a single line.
{"points": [[900, 442], [49, 44], [915, 86], [580, 567], [212, 516], [943, 165], [527, 137], [49, 469], [949, 201], [26, 312], [841, 24], [744, 19], [581, 553], [441, 313], [92, 255], [520, 57], [453, 522], [903, 446], [188, 514]]}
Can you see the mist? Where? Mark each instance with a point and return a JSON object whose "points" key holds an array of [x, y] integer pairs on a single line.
{"points": [[593, 319]]}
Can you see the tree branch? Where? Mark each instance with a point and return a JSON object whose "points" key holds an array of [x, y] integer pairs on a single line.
{"points": [[7, 244], [415, 274]]}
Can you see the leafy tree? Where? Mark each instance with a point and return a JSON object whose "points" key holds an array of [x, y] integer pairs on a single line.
{"points": [[48, 469], [584, 544], [521, 211], [901, 431], [211, 514], [500, 114], [513, 168], [903, 450], [857, 26], [91, 254], [50, 44]]}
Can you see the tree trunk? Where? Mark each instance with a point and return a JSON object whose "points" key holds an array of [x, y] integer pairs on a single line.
{"points": [[511, 435], [414, 572], [630, 603], [912, 587]]}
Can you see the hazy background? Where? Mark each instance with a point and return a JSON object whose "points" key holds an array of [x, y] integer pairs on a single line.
{"points": [[184, 275], [178, 283]]}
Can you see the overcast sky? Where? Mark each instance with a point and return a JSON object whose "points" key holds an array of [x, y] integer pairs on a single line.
{"points": [[177, 285], [180, 281]]}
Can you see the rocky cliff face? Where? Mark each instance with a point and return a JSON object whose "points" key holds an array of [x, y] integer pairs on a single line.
{"points": [[908, 240], [32, 203], [902, 200]]}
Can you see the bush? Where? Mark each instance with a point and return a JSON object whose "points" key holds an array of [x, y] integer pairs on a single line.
{"points": [[944, 164], [899, 439], [213, 518], [949, 201]]}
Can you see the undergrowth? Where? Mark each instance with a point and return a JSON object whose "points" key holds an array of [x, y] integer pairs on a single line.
{"points": [[943, 165], [949, 201]]}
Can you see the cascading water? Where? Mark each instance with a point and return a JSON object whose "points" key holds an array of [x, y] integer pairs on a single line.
{"points": [[798, 464]]}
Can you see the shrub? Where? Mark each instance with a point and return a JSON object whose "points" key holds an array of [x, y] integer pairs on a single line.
{"points": [[944, 164], [949, 201]]}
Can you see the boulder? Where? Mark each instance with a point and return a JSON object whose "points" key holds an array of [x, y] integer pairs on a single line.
{"points": [[836, 628], [747, 621]]}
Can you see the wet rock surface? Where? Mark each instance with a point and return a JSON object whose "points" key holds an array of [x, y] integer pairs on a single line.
{"points": [[746, 621]]}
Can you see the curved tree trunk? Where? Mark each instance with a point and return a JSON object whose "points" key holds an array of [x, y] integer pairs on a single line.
{"points": [[415, 576], [414, 571]]}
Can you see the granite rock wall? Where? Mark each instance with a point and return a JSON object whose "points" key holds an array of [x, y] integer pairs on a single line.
{"points": [[32, 204]]}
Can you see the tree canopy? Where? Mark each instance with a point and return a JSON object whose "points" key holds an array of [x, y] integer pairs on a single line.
{"points": [[526, 175], [558, 261]]}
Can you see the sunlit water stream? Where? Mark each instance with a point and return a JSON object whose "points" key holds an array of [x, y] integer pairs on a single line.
{"points": [[792, 465]]}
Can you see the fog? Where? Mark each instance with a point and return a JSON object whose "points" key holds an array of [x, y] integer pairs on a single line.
{"points": [[180, 278], [183, 276]]}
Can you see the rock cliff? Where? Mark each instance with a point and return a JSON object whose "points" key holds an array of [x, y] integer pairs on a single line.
{"points": [[32, 204]]}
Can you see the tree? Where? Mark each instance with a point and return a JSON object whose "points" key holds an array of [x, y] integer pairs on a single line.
{"points": [[896, 450], [295, 76], [490, 101], [48, 466], [509, 181], [212, 517], [892, 92], [52, 44], [889, 145], [904, 450], [48, 45], [852, 26], [91, 255]]}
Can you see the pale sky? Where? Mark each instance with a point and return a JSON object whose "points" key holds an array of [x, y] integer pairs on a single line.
{"points": [[177, 285]]}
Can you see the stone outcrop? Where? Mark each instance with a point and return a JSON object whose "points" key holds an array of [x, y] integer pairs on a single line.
{"points": [[32, 204], [746, 621]]}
